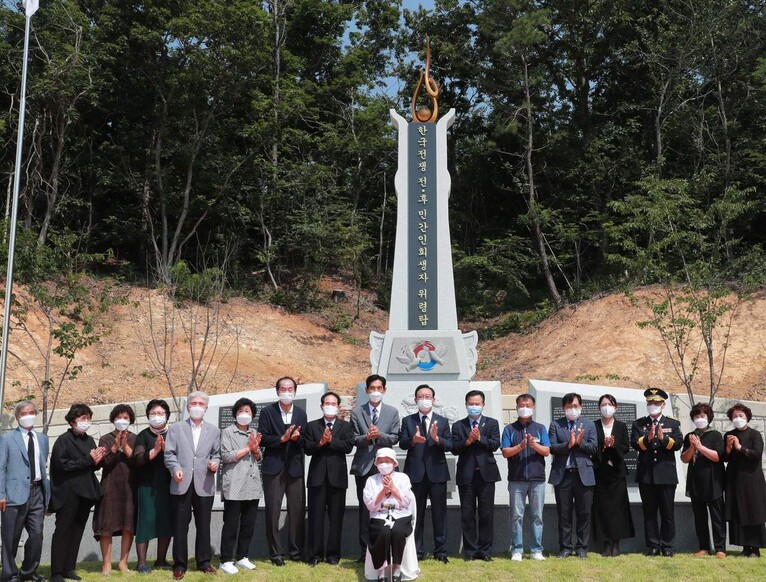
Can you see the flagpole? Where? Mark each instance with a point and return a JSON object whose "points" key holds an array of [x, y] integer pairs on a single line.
{"points": [[14, 209]]}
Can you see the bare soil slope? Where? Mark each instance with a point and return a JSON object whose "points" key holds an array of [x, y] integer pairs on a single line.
{"points": [[596, 341]]}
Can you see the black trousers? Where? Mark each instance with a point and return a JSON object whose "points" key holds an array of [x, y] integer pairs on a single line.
{"points": [[573, 500], [16, 518], [364, 513], [700, 510], [387, 541], [656, 498], [329, 500], [238, 528], [276, 487], [437, 492], [183, 506], [477, 503], [70, 525]]}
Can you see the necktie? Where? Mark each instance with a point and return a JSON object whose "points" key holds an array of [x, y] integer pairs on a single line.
{"points": [[424, 426], [329, 425], [31, 455], [474, 424], [374, 416]]}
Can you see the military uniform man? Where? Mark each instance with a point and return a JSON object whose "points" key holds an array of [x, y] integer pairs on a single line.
{"points": [[657, 437]]}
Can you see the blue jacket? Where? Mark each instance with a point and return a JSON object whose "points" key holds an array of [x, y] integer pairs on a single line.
{"points": [[478, 455], [528, 465], [14, 467], [558, 434]]}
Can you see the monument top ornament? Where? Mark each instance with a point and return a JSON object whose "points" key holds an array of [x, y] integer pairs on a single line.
{"points": [[424, 114]]}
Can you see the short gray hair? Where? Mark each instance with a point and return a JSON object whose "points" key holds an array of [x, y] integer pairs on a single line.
{"points": [[21, 405], [198, 394]]}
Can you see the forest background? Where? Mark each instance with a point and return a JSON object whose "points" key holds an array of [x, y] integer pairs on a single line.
{"points": [[211, 148]]}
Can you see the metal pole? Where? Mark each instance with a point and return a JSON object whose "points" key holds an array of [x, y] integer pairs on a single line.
{"points": [[14, 214]]}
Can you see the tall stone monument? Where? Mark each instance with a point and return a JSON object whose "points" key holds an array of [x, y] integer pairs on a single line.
{"points": [[423, 343]]}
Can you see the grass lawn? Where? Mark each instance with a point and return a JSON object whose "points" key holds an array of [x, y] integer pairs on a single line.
{"points": [[627, 567]]}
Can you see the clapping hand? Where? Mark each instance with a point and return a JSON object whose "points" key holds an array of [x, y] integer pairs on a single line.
{"points": [[580, 435], [434, 431], [694, 441], [733, 441], [97, 454], [159, 445], [296, 434], [660, 433], [608, 442], [288, 434], [473, 436], [254, 442], [418, 438], [326, 437], [373, 433]]}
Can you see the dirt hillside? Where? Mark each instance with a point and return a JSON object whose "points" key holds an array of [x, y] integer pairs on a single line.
{"points": [[596, 341]]}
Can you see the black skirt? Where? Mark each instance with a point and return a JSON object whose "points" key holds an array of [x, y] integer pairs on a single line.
{"points": [[388, 541], [610, 518]]}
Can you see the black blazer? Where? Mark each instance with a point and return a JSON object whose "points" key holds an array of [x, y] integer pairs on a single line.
{"points": [[426, 458], [609, 463], [478, 454], [73, 470], [329, 461], [277, 455]]}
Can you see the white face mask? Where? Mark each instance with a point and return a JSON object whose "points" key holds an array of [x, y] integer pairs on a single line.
{"points": [[607, 411], [83, 426], [121, 424], [330, 411], [701, 422], [739, 422], [573, 413], [157, 421], [286, 397], [385, 468], [244, 419], [425, 404], [196, 412], [375, 397], [653, 409], [27, 421], [525, 412]]}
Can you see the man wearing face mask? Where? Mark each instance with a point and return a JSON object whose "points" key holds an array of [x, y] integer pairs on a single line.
{"points": [[525, 444], [375, 425], [24, 493], [573, 444], [657, 437], [426, 436], [328, 440], [474, 440], [282, 426], [192, 455]]}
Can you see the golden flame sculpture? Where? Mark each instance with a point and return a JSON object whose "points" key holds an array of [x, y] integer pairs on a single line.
{"points": [[424, 114]]}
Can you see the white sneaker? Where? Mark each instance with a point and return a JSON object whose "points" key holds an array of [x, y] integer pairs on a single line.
{"points": [[229, 568], [246, 564], [538, 556], [515, 557]]}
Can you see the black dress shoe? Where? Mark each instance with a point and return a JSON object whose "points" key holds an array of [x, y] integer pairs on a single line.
{"points": [[653, 552], [442, 559], [608, 548], [35, 577], [667, 552], [333, 561], [278, 561], [487, 558], [471, 558], [57, 578], [582, 554], [565, 553], [72, 575], [616, 548], [314, 561]]}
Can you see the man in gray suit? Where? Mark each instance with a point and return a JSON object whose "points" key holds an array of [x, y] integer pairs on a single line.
{"points": [[24, 494], [192, 455], [573, 443], [376, 425]]}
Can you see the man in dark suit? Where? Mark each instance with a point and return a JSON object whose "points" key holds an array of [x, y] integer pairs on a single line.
{"points": [[657, 437], [24, 494], [328, 440], [573, 444], [192, 455], [474, 440], [282, 425], [376, 425], [426, 436]]}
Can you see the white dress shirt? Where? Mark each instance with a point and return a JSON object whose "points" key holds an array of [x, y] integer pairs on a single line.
{"points": [[287, 417], [374, 486], [196, 432]]}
